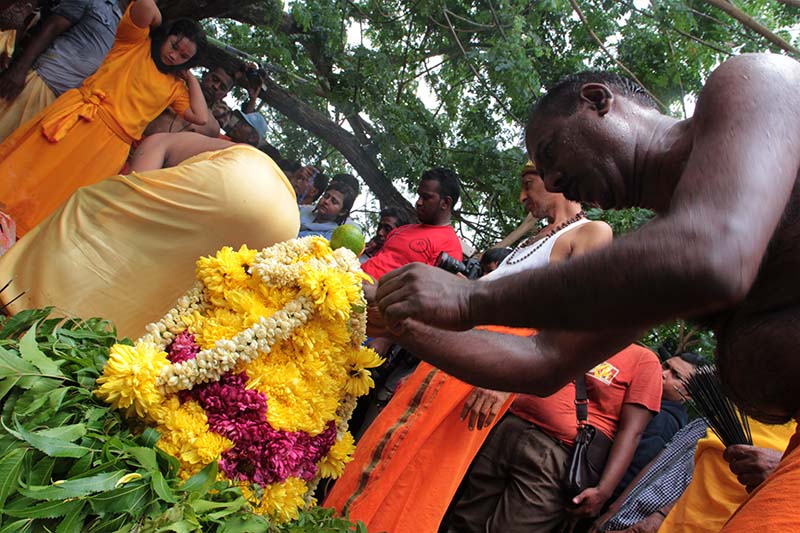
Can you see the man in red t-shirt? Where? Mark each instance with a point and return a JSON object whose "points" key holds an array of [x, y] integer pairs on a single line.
{"points": [[516, 482], [438, 193]]}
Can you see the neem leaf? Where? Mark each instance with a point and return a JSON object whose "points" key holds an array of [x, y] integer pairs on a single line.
{"points": [[74, 488], [199, 483], [20, 526], [241, 524], [44, 510], [149, 437], [73, 521], [42, 471], [9, 473], [125, 499], [162, 488], [13, 365], [145, 456], [29, 350], [66, 433], [50, 446]]}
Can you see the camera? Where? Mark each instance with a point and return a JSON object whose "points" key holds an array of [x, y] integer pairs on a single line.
{"points": [[471, 268]]}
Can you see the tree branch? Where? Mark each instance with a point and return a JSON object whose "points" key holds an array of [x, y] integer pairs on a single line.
{"points": [[605, 50], [749, 22]]}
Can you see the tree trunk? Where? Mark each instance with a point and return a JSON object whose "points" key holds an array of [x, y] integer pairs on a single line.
{"points": [[324, 128]]}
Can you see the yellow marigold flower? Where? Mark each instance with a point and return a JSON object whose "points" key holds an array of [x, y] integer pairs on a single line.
{"points": [[328, 289], [360, 380], [224, 271], [340, 454], [129, 378], [281, 501]]}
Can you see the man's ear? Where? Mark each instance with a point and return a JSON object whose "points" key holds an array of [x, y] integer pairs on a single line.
{"points": [[599, 96], [447, 202]]}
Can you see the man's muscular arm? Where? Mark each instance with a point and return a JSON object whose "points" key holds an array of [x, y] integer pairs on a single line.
{"points": [[701, 256], [539, 365]]}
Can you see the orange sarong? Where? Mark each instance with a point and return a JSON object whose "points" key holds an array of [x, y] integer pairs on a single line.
{"points": [[771, 506], [85, 135], [410, 462]]}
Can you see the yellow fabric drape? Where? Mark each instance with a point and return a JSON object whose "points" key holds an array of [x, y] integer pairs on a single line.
{"points": [[35, 96], [125, 248], [715, 493]]}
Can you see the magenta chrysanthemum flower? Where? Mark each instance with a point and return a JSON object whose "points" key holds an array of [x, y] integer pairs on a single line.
{"points": [[183, 348], [260, 453]]}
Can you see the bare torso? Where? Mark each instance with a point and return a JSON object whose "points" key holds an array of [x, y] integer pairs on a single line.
{"points": [[759, 339], [171, 122]]}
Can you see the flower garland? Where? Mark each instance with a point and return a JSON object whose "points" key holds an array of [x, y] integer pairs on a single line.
{"points": [[258, 366]]}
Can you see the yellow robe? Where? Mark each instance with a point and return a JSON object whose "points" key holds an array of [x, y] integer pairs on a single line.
{"points": [[125, 248], [715, 493], [85, 135]]}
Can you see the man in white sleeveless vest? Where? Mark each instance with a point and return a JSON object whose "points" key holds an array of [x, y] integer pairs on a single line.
{"points": [[517, 480]]}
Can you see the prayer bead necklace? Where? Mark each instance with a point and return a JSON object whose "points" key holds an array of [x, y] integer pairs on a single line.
{"points": [[530, 241]]}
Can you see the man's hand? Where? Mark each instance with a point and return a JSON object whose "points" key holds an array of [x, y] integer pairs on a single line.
{"points": [[482, 407], [589, 502], [12, 81], [750, 464], [427, 294]]}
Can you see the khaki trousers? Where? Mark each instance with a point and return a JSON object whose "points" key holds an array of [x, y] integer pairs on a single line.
{"points": [[515, 483]]}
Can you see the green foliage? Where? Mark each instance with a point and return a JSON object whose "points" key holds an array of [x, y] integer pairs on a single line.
{"points": [[440, 83], [70, 463]]}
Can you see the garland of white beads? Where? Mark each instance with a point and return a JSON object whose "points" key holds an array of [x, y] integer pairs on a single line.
{"points": [[210, 365]]}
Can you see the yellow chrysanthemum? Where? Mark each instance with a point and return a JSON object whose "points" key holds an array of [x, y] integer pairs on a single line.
{"points": [[360, 379], [328, 288], [226, 270], [281, 501], [339, 455], [129, 378]]}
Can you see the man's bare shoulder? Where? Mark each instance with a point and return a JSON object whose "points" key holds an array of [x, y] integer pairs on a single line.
{"points": [[750, 82], [595, 230]]}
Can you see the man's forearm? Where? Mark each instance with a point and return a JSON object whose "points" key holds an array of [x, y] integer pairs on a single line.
{"points": [[535, 365], [642, 279]]}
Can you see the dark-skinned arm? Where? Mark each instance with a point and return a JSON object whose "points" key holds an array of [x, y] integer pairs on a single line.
{"points": [[702, 255], [538, 365], [12, 81], [633, 419]]}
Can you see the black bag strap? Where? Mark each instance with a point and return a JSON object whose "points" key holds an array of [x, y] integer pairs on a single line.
{"points": [[581, 403]]}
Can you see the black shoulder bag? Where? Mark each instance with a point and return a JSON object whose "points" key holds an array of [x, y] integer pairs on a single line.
{"points": [[591, 447]]}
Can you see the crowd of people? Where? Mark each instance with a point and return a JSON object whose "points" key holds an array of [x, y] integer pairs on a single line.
{"points": [[113, 164]]}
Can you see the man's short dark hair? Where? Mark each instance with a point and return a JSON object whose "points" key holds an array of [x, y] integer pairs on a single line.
{"points": [[494, 255], [563, 97], [449, 184], [401, 215], [694, 359]]}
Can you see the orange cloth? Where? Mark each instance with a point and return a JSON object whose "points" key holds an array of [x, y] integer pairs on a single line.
{"points": [[411, 460], [771, 506], [632, 375], [85, 135]]}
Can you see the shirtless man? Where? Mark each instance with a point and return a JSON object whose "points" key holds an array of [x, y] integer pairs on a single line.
{"points": [[724, 247], [164, 150]]}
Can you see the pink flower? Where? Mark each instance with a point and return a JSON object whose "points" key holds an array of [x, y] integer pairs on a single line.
{"points": [[183, 348]]}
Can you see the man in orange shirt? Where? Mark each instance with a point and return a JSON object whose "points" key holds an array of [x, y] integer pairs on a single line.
{"points": [[518, 479]]}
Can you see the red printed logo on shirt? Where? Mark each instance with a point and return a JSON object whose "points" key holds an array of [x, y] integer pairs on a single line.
{"points": [[605, 372], [420, 246]]}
